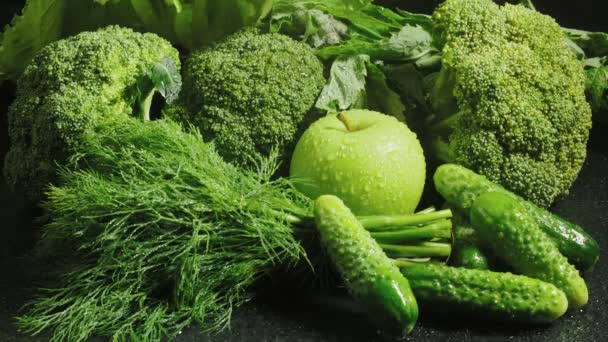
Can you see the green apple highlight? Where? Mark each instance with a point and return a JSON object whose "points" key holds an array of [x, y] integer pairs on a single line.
{"points": [[373, 162]]}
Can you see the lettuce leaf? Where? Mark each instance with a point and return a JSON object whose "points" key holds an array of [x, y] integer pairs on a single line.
{"points": [[24, 34], [189, 24]]}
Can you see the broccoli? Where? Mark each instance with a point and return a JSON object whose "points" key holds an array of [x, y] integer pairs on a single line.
{"points": [[250, 94], [509, 100], [69, 86]]}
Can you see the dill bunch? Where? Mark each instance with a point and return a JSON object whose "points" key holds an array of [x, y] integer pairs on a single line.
{"points": [[160, 232]]}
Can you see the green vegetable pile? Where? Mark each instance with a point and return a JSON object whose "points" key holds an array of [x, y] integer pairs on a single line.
{"points": [[165, 193], [498, 89]]}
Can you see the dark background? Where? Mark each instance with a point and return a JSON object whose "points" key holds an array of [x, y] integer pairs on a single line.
{"points": [[285, 314]]}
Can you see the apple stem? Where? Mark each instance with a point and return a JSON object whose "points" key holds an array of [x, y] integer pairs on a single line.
{"points": [[345, 121]]}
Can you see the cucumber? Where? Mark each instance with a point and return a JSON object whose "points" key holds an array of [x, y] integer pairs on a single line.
{"points": [[500, 295], [370, 276], [465, 247], [461, 186], [469, 257], [506, 226]]}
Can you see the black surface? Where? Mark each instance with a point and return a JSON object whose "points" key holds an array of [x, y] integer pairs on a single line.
{"points": [[284, 314]]}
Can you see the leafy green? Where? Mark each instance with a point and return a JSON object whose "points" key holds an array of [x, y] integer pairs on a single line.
{"points": [[353, 35], [408, 44], [322, 23], [380, 96], [597, 84], [593, 46], [213, 20], [408, 82], [163, 77], [166, 79], [19, 39], [188, 23], [345, 88], [356, 82], [44, 21], [315, 27]]}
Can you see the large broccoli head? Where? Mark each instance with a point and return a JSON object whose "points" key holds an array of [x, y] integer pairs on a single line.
{"points": [[69, 85], [250, 93], [510, 98]]}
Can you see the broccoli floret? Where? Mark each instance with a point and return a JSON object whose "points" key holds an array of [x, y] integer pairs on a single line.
{"points": [[250, 94], [509, 101], [69, 86]]}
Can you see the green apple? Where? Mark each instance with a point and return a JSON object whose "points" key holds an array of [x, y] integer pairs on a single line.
{"points": [[373, 162]]}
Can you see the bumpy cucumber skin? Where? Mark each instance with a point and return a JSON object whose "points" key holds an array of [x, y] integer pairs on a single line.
{"points": [[512, 233], [371, 277], [461, 186], [500, 295]]}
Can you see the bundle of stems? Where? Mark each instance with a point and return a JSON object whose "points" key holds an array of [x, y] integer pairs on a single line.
{"points": [[160, 232]]}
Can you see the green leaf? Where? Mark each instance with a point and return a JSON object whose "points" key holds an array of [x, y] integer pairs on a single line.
{"points": [[188, 23], [408, 44], [380, 97], [213, 20], [312, 21], [166, 78], [416, 19], [301, 19], [594, 44], [345, 88], [314, 27], [44, 21], [24, 35], [597, 84], [409, 83], [157, 16]]}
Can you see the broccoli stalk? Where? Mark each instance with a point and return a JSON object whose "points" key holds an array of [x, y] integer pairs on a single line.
{"points": [[163, 78]]}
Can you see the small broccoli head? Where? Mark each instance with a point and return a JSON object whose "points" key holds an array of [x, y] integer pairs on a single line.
{"points": [[521, 117], [250, 93], [69, 86]]}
